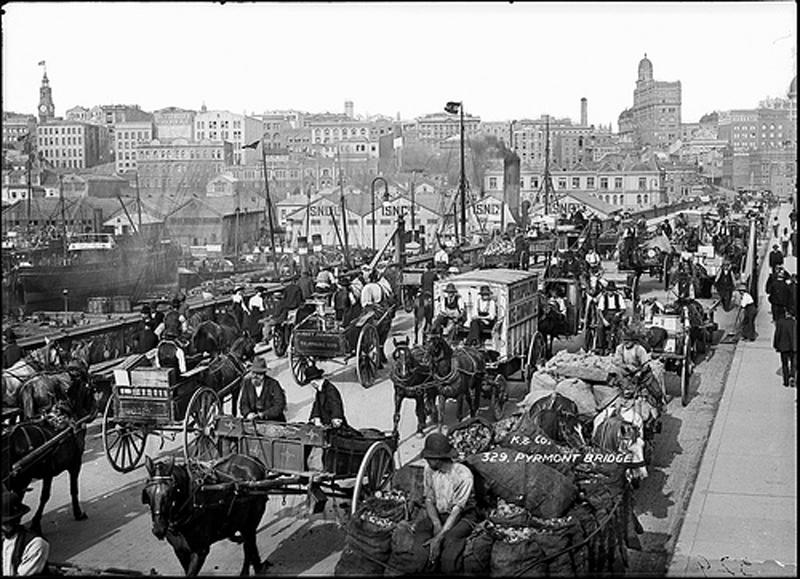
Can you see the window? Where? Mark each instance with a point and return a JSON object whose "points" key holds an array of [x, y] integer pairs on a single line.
{"points": [[617, 182], [576, 182], [562, 182], [604, 183], [614, 200], [492, 182], [642, 183]]}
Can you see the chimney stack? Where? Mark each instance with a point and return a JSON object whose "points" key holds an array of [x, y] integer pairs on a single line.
{"points": [[584, 113]]}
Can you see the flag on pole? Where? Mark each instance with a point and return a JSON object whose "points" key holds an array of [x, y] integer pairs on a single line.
{"points": [[252, 145], [452, 107], [41, 63]]}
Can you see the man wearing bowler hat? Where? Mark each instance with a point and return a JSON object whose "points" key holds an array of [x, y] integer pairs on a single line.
{"points": [[262, 396], [328, 409], [24, 552], [449, 503], [484, 318]]}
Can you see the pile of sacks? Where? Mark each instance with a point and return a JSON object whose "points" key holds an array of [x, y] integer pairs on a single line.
{"points": [[499, 246], [541, 513]]}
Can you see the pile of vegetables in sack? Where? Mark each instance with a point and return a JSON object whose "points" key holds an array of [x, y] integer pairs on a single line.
{"points": [[556, 482], [499, 250]]}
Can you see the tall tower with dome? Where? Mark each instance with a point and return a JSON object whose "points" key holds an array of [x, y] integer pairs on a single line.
{"points": [[654, 120]]}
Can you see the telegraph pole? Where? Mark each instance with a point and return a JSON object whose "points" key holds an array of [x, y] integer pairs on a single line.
{"points": [[269, 209]]}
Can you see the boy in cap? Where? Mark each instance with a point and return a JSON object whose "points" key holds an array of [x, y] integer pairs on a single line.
{"points": [[262, 396], [484, 318], [449, 502], [170, 352], [24, 553]]}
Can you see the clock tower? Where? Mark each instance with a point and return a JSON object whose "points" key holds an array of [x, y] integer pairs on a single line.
{"points": [[47, 110]]}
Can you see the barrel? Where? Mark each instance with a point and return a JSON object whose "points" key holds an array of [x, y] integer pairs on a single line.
{"points": [[98, 305], [121, 304]]}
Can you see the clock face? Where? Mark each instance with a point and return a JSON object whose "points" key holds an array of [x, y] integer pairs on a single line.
{"points": [[43, 108]]}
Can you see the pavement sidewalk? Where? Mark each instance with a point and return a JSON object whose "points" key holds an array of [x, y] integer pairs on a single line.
{"points": [[741, 518]]}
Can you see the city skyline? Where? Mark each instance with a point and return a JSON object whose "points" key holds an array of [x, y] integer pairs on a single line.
{"points": [[167, 54]]}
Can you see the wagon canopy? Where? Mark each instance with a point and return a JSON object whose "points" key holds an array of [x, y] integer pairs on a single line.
{"points": [[658, 242]]}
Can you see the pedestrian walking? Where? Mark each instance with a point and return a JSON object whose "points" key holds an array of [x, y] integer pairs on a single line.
{"points": [[775, 226], [780, 290], [747, 308], [785, 241], [775, 256], [724, 283], [785, 343]]}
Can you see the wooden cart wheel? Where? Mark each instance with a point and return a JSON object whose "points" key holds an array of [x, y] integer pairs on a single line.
{"points": [[298, 362], [499, 396], [123, 441], [536, 352], [199, 436], [280, 339], [367, 355], [686, 370], [374, 473]]}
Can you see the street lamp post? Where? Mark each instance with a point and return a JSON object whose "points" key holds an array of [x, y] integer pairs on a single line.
{"points": [[385, 197], [453, 107]]}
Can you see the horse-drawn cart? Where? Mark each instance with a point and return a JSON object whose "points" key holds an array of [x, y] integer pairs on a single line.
{"points": [[147, 400], [320, 336], [515, 344], [410, 283], [678, 349], [307, 459]]}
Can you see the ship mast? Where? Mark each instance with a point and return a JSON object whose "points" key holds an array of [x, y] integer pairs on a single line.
{"points": [[548, 180]]}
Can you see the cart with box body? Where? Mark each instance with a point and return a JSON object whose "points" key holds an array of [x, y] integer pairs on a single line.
{"points": [[151, 401], [678, 349], [515, 344], [304, 459]]}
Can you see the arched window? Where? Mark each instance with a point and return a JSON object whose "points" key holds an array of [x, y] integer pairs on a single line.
{"points": [[615, 200], [638, 199]]}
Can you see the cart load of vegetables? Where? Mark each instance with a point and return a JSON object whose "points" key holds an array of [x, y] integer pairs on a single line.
{"points": [[500, 246]]}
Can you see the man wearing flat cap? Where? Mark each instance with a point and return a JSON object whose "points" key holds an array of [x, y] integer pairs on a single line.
{"points": [[262, 396], [449, 502], [484, 318], [24, 552]]}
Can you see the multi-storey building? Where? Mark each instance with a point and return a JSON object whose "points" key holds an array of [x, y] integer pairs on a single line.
{"points": [[439, 127], [654, 120], [16, 128], [79, 113], [239, 130], [180, 167], [174, 123], [129, 136], [73, 144]]}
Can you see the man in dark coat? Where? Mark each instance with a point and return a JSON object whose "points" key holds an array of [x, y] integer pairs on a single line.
{"points": [[429, 276], [785, 343], [147, 338], [12, 353], [306, 284], [328, 408], [262, 396], [724, 283], [780, 292], [775, 257]]}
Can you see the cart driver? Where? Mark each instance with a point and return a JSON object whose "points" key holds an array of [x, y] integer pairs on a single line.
{"points": [[633, 357], [611, 309], [453, 313], [449, 503], [328, 408], [262, 396], [170, 353], [485, 317], [593, 260], [291, 299]]}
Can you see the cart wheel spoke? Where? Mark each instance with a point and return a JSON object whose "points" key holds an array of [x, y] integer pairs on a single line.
{"points": [[499, 396], [123, 442], [199, 435], [374, 473], [367, 355]]}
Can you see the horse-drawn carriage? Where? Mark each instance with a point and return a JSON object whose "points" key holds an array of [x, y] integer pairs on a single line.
{"points": [[410, 284], [440, 369], [148, 400], [320, 336]]}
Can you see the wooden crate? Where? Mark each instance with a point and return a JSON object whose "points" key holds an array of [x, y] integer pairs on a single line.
{"points": [[318, 344], [157, 377]]}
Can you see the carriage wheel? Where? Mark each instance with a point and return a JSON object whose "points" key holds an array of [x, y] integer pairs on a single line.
{"points": [[367, 355], [280, 340], [536, 353], [199, 436], [686, 371], [374, 474], [298, 362], [123, 441], [499, 396]]}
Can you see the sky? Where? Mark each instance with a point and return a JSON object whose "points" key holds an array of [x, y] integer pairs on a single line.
{"points": [[504, 61]]}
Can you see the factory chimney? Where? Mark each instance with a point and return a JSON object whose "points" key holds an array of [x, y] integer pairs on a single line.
{"points": [[584, 113]]}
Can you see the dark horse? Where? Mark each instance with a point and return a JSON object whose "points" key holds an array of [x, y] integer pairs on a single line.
{"points": [[192, 519], [551, 323], [557, 417], [215, 336], [423, 314], [458, 375], [226, 367], [411, 376], [29, 448]]}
